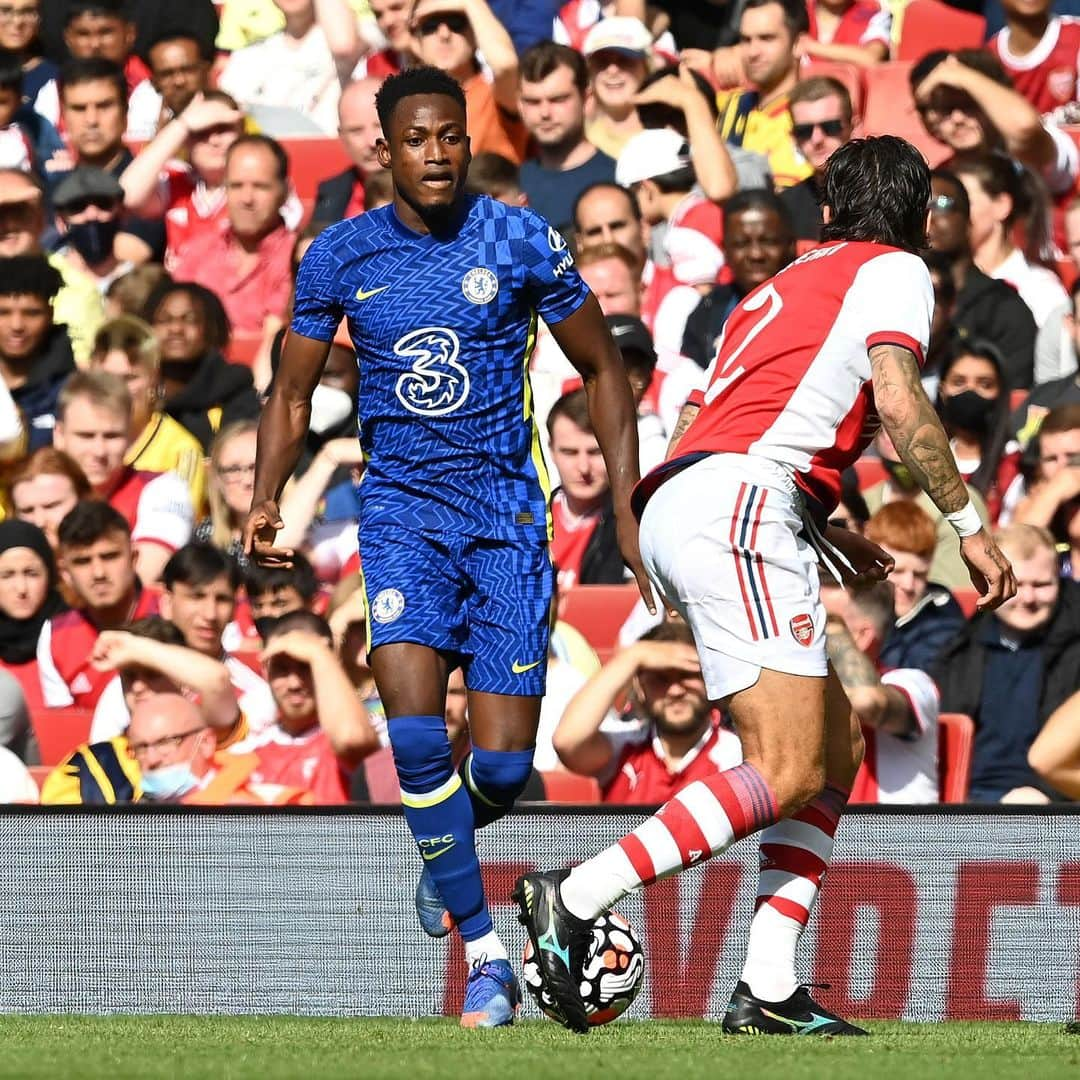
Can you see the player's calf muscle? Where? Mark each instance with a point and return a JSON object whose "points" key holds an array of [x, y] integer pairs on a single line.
{"points": [[781, 722]]}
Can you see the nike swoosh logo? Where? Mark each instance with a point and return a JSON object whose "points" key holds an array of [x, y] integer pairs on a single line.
{"points": [[518, 668], [361, 294], [429, 855], [803, 1027]]}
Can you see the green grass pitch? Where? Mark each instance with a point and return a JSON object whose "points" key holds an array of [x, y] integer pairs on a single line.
{"points": [[268, 1048]]}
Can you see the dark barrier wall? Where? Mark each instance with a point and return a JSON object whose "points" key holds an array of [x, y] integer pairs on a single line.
{"points": [[926, 916]]}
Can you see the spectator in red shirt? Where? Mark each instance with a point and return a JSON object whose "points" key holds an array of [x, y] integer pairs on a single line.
{"points": [[190, 195], [1039, 52], [667, 739], [246, 260], [97, 563], [584, 548], [850, 31], [392, 18], [93, 426], [323, 731]]}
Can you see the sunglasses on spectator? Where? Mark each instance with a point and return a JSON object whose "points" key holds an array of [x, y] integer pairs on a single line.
{"points": [[102, 202], [832, 128], [942, 204], [453, 21]]}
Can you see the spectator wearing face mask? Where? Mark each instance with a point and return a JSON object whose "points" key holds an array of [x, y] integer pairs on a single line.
{"points": [[974, 407], [88, 204], [179, 760]]}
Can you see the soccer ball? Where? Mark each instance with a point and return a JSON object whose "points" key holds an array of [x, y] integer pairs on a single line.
{"points": [[611, 978]]}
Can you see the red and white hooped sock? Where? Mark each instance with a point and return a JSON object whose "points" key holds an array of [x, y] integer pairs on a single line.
{"points": [[794, 856], [704, 819]]}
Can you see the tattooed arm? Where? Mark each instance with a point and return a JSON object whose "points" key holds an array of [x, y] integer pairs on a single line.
{"points": [[686, 418], [920, 440], [878, 706]]}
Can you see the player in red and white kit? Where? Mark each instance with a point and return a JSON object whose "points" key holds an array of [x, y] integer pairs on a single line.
{"points": [[733, 526], [1039, 52]]}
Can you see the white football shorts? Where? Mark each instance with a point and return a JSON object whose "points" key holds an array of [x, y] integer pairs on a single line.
{"points": [[721, 540]]}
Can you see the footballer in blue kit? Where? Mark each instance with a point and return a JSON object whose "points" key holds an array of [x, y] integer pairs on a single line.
{"points": [[442, 293]]}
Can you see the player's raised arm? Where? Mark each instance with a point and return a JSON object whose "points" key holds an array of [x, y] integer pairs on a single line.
{"points": [[282, 429], [908, 416], [587, 343]]}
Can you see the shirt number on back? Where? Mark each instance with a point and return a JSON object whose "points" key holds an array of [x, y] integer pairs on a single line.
{"points": [[767, 298]]}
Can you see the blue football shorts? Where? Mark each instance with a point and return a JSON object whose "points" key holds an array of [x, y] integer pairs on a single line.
{"points": [[484, 602]]}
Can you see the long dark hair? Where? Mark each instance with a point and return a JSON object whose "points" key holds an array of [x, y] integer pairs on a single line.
{"points": [[997, 433], [878, 189], [999, 174]]}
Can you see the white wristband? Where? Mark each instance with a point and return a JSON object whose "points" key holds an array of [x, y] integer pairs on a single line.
{"points": [[966, 522]]}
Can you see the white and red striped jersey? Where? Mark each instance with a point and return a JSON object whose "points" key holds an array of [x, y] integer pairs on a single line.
{"points": [[791, 379], [899, 769], [156, 506], [1048, 75]]}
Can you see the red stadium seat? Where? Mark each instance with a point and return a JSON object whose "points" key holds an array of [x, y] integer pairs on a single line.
{"points": [[242, 349], [890, 110], [564, 787], [59, 731], [312, 160], [598, 613], [967, 599], [848, 74], [870, 471], [956, 736], [930, 25]]}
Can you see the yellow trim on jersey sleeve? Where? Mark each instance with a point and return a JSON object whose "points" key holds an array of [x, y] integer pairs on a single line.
{"points": [[432, 798]]}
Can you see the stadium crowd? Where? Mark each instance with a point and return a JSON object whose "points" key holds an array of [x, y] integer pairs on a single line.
{"points": [[157, 193]]}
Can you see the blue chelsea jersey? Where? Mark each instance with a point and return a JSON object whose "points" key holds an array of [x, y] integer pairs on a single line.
{"points": [[444, 330]]}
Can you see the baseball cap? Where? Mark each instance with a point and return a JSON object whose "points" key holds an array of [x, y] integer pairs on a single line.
{"points": [[621, 33], [86, 182], [631, 334], [654, 152]]}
